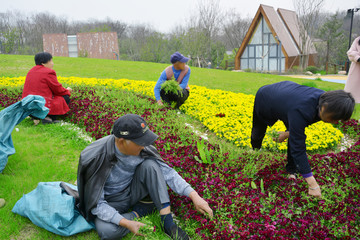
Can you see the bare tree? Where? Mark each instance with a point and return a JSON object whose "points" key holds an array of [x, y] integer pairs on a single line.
{"points": [[234, 29], [208, 20], [308, 12], [135, 37]]}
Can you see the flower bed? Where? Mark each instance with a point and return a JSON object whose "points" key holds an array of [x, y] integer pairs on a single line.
{"points": [[227, 114], [260, 205]]}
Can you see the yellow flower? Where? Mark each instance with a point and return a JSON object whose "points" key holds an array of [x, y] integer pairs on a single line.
{"points": [[206, 105]]}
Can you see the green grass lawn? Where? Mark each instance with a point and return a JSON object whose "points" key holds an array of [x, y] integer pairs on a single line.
{"points": [[16, 65], [249, 83]]}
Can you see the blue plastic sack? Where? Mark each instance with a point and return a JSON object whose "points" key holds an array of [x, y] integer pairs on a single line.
{"points": [[11, 116], [49, 207]]}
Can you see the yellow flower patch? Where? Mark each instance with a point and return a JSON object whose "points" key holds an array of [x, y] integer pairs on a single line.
{"points": [[227, 114]]}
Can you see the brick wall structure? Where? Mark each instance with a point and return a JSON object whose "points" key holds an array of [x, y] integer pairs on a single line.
{"points": [[56, 44], [92, 45], [97, 45]]}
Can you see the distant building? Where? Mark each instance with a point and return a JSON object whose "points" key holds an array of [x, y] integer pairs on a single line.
{"points": [[92, 45], [260, 49]]}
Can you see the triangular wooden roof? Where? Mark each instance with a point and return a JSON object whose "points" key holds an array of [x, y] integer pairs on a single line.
{"points": [[282, 23], [291, 21]]}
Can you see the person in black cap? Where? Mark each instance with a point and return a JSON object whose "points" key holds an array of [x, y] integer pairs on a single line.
{"points": [[181, 72], [124, 171], [297, 106]]}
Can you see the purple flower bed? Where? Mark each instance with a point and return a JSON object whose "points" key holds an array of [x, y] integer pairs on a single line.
{"points": [[8, 97], [277, 209]]}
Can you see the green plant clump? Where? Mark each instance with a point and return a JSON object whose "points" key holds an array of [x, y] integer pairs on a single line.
{"points": [[171, 86]]}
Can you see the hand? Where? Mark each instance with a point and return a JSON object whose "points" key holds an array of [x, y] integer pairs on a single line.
{"points": [[160, 102], [315, 192], [314, 188], [200, 204], [69, 88], [282, 137], [133, 226]]}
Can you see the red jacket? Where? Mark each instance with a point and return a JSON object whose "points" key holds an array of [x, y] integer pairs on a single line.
{"points": [[42, 81]]}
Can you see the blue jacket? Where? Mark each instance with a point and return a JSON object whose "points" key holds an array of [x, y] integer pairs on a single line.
{"points": [[11, 116], [298, 107]]}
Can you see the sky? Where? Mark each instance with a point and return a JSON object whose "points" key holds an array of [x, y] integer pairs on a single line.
{"points": [[162, 15]]}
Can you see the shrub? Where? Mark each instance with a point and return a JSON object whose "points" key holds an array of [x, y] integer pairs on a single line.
{"points": [[312, 69]]}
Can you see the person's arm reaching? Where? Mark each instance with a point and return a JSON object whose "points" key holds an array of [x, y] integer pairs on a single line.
{"points": [[314, 188], [157, 87], [181, 187], [200, 204], [133, 226], [297, 143], [109, 214], [56, 87], [353, 53]]}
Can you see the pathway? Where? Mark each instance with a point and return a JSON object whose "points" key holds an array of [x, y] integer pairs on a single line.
{"points": [[328, 78]]}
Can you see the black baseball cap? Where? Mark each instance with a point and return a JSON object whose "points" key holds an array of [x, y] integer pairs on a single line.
{"points": [[134, 128], [178, 57]]}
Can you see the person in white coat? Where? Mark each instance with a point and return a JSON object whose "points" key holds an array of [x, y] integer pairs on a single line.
{"points": [[352, 84]]}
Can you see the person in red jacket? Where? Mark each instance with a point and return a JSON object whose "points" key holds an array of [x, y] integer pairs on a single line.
{"points": [[41, 80]]}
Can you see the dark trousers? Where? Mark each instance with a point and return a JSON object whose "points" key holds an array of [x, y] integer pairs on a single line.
{"points": [[257, 135], [290, 166], [172, 97], [67, 100], [258, 131], [148, 180]]}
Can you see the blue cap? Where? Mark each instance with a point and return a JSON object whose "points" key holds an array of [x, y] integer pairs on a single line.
{"points": [[178, 57]]}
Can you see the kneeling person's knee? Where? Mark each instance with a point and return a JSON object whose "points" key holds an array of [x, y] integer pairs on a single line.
{"points": [[149, 164]]}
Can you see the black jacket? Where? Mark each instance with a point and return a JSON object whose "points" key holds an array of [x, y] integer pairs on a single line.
{"points": [[95, 164], [297, 106]]}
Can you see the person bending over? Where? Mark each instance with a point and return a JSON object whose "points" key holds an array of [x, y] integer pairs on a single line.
{"points": [[297, 106]]}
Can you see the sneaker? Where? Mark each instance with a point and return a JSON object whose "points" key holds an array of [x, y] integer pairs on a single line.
{"points": [[36, 121], [177, 233], [292, 178], [144, 209], [47, 120], [2, 202]]}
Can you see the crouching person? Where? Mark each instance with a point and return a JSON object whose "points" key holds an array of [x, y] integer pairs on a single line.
{"points": [[42, 80], [124, 171], [181, 72]]}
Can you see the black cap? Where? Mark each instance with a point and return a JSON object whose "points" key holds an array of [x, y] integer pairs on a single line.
{"points": [[134, 128]]}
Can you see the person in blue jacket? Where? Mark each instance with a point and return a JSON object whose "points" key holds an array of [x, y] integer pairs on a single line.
{"points": [[181, 72], [297, 106]]}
